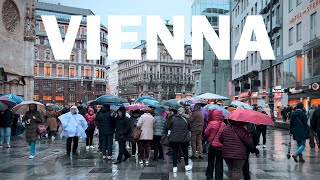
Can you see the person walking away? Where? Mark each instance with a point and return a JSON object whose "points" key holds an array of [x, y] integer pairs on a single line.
{"points": [[52, 122], [32, 118], [284, 114], [123, 130], [213, 132], [90, 118], [235, 139], [179, 136], [315, 122], [81, 108], [313, 134], [146, 123], [197, 123], [159, 130], [106, 125], [73, 127], [6, 121], [299, 129], [262, 129], [15, 124], [133, 123]]}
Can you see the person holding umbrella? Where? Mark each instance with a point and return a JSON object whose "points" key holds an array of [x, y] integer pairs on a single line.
{"points": [[32, 119], [73, 127], [6, 121]]}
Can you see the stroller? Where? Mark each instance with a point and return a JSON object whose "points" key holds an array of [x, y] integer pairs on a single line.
{"points": [[289, 148]]}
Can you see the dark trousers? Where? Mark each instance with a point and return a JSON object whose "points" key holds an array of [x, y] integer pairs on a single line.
{"points": [[134, 148], [176, 148], [234, 168], [246, 169], [158, 151], [106, 144], [262, 131], [144, 149], [215, 162], [89, 138], [75, 144], [122, 150]]}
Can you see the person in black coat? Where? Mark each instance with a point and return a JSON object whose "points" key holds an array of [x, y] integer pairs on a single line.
{"points": [[315, 122], [299, 129], [123, 130], [6, 121], [106, 126]]}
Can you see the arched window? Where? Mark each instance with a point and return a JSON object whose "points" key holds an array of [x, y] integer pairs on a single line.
{"points": [[36, 53], [36, 69], [100, 74], [97, 73], [72, 71], [72, 56], [48, 69], [48, 54], [60, 71], [87, 72]]}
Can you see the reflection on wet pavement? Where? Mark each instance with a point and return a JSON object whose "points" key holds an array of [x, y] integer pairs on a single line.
{"points": [[51, 163]]}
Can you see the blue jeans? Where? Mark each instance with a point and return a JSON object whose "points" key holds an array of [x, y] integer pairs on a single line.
{"points": [[32, 148], [302, 146], [5, 133]]}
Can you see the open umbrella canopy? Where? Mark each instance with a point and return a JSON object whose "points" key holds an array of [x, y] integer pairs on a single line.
{"points": [[55, 106], [149, 102], [210, 107], [143, 98], [14, 97], [23, 107], [212, 96], [111, 100], [239, 103], [7, 101], [3, 106], [250, 116], [171, 102], [133, 107]]}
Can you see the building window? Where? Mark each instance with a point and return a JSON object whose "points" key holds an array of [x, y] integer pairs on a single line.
{"points": [[289, 70], [36, 53], [60, 70], [99, 87], [72, 71], [47, 70], [36, 97], [312, 63], [61, 29], [47, 97], [313, 26], [59, 96], [47, 85], [72, 86], [72, 56], [59, 86], [48, 54], [87, 72], [299, 2], [36, 69], [299, 32], [251, 59], [291, 5], [46, 41], [36, 85], [97, 73], [290, 36], [38, 27]]}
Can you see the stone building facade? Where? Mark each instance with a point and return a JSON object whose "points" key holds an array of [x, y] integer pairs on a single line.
{"points": [[17, 35]]}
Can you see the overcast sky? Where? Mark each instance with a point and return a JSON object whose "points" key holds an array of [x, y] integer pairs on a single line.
{"points": [[165, 8]]}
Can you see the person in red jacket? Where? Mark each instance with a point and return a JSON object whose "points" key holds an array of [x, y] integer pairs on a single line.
{"points": [[213, 132], [90, 118], [235, 139]]}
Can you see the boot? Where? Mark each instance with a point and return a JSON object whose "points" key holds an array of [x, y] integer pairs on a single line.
{"points": [[295, 158], [301, 159]]}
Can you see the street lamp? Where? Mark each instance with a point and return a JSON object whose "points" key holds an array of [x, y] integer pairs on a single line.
{"points": [[215, 65]]}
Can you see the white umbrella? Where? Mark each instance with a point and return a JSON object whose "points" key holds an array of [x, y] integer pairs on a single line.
{"points": [[23, 107], [239, 103], [212, 96]]}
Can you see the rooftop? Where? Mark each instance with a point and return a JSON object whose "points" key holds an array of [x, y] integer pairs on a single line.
{"points": [[62, 9]]}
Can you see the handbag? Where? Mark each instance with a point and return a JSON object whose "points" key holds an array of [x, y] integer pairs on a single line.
{"points": [[41, 129], [165, 140], [306, 129], [136, 133], [207, 145]]}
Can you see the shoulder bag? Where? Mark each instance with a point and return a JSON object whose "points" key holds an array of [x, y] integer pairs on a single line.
{"points": [[306, 128], [207, 145]]}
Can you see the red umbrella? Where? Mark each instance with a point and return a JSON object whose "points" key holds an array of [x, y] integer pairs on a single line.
{"points": [[134, 107], [250, 116]]}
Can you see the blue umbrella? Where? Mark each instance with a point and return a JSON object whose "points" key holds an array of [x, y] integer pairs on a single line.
{"points": [[149, 102], [238, 103], [3, 106], [210, 107], [14, 97], [140, 99]]}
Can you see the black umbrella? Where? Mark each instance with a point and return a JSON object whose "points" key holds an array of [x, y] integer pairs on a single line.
{"points": [[111, 100]]}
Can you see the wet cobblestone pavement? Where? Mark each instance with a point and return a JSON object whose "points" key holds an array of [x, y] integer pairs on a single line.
{"points": [[51, 163]]}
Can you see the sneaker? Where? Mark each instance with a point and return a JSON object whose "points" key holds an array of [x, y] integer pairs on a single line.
{"points": [[53, 138], [141, 162], [264, 146], [31, 156], [188, 168], [87, 148], [147, 162], [104, 157], [109, 158], [175, 170], [91, 147], [8, 146]]}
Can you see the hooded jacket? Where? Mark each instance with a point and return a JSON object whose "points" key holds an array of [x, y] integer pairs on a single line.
{"points": [[123, 128], [299, 125], [52, 118], [90, 118], [31, 129], [215, 127], [160, 123]]}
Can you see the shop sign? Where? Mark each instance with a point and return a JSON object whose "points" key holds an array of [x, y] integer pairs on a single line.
{"points": [[306, 11], [278, 90], [295, 91]]}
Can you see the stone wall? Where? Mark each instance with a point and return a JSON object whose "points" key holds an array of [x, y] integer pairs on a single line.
{"points": [[17, 32]]}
